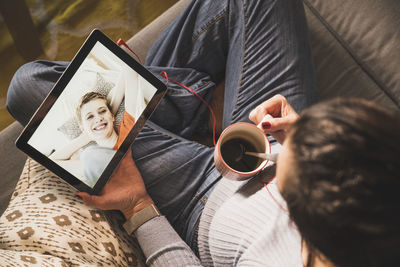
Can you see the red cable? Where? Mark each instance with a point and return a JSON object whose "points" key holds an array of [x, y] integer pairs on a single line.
{"points": [[122, 42], [193, 92], [272, 196]]}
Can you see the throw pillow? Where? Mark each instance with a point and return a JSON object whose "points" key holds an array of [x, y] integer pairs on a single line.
{"points": [[28, 258], [46, 221]]}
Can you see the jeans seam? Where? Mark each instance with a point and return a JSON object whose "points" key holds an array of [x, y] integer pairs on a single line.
{"points": [[198, 192], [243, 62], [200, 202], [205, 28], [189, 93]]}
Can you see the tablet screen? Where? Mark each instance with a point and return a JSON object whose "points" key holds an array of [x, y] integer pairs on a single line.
{"points": [[81, 126]]}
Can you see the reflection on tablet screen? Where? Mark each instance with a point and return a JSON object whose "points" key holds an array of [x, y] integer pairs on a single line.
{"points": [[93, 115]]}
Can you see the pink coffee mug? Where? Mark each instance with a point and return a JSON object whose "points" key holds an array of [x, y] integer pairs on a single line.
{"points": [[229, 156]]}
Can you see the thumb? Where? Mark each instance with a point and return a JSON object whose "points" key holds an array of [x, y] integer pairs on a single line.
{"points": [[90, 200]]}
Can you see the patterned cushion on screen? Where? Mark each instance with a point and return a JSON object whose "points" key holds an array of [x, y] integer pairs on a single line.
{"points": [[102, 86], [71, 127], [46, 222]]}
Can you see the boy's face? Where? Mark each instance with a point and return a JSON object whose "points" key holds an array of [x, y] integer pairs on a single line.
{"points": [[97, 120]]}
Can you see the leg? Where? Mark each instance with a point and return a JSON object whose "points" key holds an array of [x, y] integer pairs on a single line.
{"points": [[260, 46], [197, 39], [180, 111], [176, 171], [271, 55], [30, 85], [34, 80], [195, 44]]}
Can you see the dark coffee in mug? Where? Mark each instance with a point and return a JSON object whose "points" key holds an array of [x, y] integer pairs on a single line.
{"points": [[229, 153], [232, 152]]}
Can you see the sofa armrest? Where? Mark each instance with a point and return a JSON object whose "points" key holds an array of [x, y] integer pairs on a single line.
{"points": [[11, 164]]}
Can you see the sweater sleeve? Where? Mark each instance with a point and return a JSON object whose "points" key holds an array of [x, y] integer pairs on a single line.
{"points": [[162, 246]]}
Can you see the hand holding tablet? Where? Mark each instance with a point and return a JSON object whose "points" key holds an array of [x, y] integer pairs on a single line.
{"points": [[92, 115]]}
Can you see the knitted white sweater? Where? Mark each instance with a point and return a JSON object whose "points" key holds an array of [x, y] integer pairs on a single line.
{"points": [[241, 225], [245, 225]]}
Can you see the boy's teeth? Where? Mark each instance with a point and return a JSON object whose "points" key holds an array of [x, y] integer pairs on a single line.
{"points": [[102, 126]]}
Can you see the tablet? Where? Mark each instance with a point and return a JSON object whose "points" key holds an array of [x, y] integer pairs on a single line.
{"points": [[92, 115]]}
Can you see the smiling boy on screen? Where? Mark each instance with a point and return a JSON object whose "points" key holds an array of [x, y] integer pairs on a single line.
{"points": [[95, 113], [97, 121]]}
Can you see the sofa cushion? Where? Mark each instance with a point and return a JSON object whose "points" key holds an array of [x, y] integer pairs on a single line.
{"points": [[47, 218], [12, 162], [355, 46], [29, 258]]}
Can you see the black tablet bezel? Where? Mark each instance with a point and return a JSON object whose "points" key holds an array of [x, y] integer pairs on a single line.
{"points": [[22, 141]]}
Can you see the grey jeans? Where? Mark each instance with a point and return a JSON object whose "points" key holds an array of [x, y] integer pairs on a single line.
{"points": [[259, 47]]}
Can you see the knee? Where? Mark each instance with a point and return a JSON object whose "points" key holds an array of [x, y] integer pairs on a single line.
{"points": [[16, 87], [30, 85], [18, 91]]}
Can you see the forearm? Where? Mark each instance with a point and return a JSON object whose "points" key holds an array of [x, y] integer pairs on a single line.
{"points": [[66, 152], [116, 95], [125, 191], [162, 246]]}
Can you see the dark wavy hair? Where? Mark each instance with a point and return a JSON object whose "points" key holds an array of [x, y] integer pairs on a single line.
{"points": [[343, 193]]}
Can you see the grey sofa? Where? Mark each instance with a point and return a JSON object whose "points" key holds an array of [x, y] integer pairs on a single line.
{"points": [[356, 53]]}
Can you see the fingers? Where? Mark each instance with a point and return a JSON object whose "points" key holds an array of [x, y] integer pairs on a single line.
{"points": [[277, 127], [272, 106], [271, 125], [274, 116]]}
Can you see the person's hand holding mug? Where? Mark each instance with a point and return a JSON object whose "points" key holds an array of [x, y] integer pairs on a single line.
{"points": [[125, 191], [274, 116]]}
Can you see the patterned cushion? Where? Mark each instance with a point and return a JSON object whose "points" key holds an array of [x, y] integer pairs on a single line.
{"points": [[28, 258], [46, 222]]}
